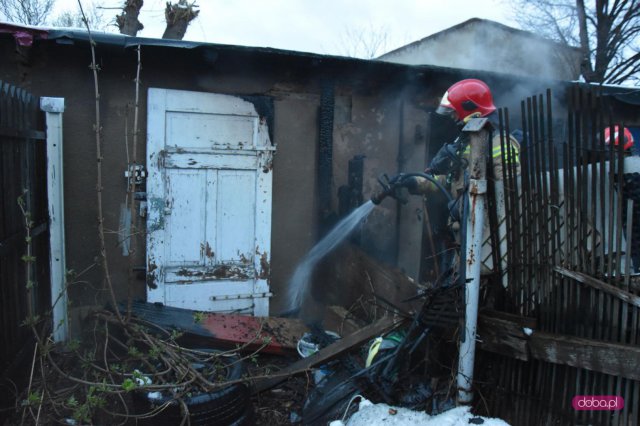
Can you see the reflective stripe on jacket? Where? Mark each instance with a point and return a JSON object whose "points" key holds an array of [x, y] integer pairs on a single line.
{"points": [[496, 154]]}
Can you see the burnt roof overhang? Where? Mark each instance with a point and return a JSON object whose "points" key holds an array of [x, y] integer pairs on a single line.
{"points": [[330, 65], [623, 94]]}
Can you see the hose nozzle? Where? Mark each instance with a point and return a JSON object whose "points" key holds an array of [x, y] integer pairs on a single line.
{"points": [[390, 187], [400, 186], [379, 196]]}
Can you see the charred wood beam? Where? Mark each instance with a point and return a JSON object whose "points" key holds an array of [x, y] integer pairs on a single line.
{"points": [[604, 357], [325, 159], [506, 335]]}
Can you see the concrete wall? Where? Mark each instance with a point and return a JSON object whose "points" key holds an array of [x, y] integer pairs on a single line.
{"points": [[484, 45]]}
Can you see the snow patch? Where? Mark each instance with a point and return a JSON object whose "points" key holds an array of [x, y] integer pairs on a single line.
{"points": [[384, 415], [154, 395]]}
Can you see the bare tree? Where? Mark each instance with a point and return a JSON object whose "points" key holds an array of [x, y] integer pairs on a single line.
{"points": [[74, 19], [365, 43], [28, 12], [178, 16], [606, 32], [128, 22]]}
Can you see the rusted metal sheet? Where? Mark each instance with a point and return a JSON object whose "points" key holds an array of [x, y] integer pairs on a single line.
{"points": [[247, 333]]}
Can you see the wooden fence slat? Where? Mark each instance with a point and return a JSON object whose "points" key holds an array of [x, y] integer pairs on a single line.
{"points": [[22, 166], [621, 294]]}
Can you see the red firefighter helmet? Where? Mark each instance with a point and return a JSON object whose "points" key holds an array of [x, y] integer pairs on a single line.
{"points": [[628, 137], [467, 97]]}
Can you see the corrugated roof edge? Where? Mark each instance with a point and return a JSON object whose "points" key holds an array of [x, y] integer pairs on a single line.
{"points": [[79, 34], [129, 41], [622, 93]]}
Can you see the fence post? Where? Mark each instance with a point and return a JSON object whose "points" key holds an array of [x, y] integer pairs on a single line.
{"points": [[473, 248], [54, 108]]}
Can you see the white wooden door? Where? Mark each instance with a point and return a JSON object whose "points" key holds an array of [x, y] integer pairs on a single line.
{"points": [[209, 203]]}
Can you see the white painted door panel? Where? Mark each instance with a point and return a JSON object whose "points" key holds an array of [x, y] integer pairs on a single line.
{"points": [[207, 130], [236, 215], [209, 197], [185, 214]]}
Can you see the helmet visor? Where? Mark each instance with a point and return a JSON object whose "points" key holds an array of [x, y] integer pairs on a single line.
{"points": [[447, 111]]}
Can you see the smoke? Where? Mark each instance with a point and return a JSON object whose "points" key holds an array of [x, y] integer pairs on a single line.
{"points": [[510, 94], [486, 45]]}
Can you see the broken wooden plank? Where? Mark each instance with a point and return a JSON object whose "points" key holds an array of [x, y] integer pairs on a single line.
{"points": [[269, 334], [504, 334], [621, 294], [605, 357], [330, 352]]}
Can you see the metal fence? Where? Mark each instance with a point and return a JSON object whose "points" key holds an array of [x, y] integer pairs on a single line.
{"points": [[571, 225], [24, 275]]}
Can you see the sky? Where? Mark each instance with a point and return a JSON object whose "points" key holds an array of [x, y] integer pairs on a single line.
{"points": [[319, 26]]}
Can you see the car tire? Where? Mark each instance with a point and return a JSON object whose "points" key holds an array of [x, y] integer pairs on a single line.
{"points": [[230, 405]]}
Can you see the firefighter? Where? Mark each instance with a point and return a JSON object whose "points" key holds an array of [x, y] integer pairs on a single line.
{"points": [[463, 101], [614, 140]]}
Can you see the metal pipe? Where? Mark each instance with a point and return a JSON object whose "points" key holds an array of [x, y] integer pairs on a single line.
{"points": [[476, 194]]}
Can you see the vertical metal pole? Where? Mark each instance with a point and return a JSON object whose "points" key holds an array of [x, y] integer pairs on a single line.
{"points": [[54, 108], [475, 222]]}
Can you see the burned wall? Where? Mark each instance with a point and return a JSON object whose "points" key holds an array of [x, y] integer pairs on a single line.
{"points": [[380, 113], [370, 129], [62, 70]]}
